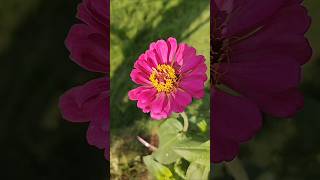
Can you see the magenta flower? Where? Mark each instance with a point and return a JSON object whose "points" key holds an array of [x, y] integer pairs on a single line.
{"points": [[169, 75], [88, 44], [257, 54]]}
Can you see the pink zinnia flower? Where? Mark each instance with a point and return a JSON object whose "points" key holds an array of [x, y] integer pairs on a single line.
{"points": [[257, 54], [169, 75], [88, 43]]}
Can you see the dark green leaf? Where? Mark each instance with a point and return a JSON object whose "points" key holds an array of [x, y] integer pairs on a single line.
{"points": [[179, 168]]}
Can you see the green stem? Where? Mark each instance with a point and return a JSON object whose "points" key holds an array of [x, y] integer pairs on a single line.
{"points": [[236, 169], [185, 122], [146, 144]]}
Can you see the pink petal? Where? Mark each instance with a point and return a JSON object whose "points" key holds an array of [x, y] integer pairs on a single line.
{"points": [[134, 93], [234, 120], [283, 104], [139, 77], [95, 13], [193, 85], [158, 116], [172, 46], [143, 65], [250, 14], [191, 62], [223, 149], [162, 51], [151, 58], [182, 99], [281, 35], [77, 104], [199, 71], [264, 75], [87, 49], [98, 130], [179, 53], [145, 99], [158, 103]]}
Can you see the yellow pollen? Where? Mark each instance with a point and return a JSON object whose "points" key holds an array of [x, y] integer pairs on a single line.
{"points": [[163, 78]]}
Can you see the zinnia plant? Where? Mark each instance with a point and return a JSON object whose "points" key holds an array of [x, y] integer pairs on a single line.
{"points": [[169, 75], [258, 48], [88, 43]]}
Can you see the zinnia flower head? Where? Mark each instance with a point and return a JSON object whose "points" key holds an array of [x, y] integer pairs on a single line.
{"points": [[169, 75], [258, 48], [88, 43]]}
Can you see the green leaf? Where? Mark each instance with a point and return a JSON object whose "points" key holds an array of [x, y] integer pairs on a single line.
{"points": [[156, 169], [197, 171], [170, 126], [194, 151], [169, 135]]}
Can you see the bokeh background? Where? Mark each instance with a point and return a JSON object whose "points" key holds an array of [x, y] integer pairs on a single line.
{"points": [[289, 149], [134, 25], [35, 142]]}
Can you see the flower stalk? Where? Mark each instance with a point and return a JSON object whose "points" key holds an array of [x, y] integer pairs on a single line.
{"points": [[146, 144], [185, 121], [236, 169]]}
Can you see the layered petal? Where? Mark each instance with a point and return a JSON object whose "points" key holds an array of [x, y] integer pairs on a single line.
{"points": [[139, 77], [95, 13], [282, 104], [172, 49], [87, 48], [170, 75], [77, 104], [265, 75], [235, 120], [88, 44], [98, 130], [282, 35], [248, 15], [260, 47], [89, 103], [144, 95], [182, 99]]}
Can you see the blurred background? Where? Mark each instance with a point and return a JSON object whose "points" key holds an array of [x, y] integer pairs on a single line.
{"points": [[134, 25], [35, 142], [289, 149]]}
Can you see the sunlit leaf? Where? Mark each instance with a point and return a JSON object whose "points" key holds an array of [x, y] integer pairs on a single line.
{"points": [[194, 151], [159, 171], [197, 171], [169, 135]]}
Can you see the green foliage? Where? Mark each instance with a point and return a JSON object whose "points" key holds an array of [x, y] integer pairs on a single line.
{"points": [[197, 171], [177, 146], [156, 169], [180, 167], [170, 134], [194, 151]]}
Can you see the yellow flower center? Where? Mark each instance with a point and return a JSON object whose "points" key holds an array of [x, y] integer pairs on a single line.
{"points": [[163, 78]]}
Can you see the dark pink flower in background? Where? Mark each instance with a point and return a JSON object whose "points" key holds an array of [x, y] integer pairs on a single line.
{"points": [[88, 43], [258, 48], [169, 75]]}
